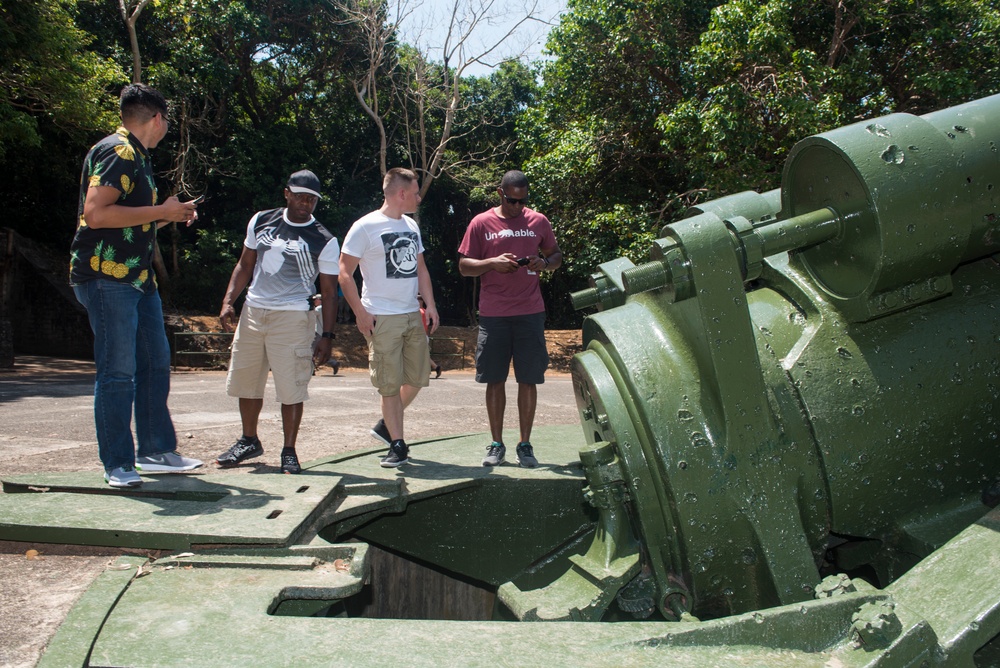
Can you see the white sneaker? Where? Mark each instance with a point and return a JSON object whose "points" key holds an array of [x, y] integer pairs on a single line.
{"points": [[123, 476], [168, 462]]}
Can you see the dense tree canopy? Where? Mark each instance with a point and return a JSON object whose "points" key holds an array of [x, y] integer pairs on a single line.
{"points": [[650, 107], [52, 95], [766, 74], [644, 107]]}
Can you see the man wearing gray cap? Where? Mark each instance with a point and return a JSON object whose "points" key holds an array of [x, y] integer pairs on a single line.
{"points": [[284, 251]]}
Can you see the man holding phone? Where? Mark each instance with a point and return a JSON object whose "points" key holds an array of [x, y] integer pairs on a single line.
{"points": [[508, 247], [111, 274]]}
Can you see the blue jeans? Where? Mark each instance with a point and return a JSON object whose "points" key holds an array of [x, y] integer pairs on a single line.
{"points": [[133, 369]]}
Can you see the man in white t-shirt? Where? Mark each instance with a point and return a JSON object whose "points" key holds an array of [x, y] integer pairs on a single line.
{"points": [[386, 245], [284, 251]]}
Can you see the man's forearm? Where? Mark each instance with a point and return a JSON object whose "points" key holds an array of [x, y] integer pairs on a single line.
{"points": [[553, 261], [237, 282], [350, 290], [328, 296], [467, 266], [120, 217]]}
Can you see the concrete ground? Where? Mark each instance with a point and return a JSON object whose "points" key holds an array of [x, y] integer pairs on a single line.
{"points": [[46, 424]]}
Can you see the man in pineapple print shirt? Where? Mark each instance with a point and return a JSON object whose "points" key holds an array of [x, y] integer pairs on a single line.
{"points": [[284, 251], [111, 274]]}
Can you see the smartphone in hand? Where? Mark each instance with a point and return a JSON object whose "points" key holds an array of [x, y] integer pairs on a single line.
{"points": [[523, 261]]}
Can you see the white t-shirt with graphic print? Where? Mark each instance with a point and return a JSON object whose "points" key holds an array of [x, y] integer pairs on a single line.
{"points": [[290, 257], [387, 250]]}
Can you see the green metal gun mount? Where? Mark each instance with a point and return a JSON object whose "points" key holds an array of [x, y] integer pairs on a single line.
{"points": [[789, 457], [806, 388]]}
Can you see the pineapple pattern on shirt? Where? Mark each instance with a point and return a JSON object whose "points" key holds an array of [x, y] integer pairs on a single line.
{"points": [[118, 161]]}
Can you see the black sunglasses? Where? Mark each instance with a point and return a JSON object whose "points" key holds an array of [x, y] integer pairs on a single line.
{"points": [[514, 200]]}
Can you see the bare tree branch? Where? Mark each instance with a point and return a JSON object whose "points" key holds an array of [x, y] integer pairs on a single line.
{"points": [[426, 93], [844, 22], [131, 17]]}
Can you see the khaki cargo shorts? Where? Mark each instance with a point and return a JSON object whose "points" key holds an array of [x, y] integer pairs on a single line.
{"points": [[279, 341], [398, 353]]}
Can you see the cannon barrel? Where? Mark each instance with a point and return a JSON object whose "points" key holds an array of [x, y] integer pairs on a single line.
{"points": [[782, 394]]}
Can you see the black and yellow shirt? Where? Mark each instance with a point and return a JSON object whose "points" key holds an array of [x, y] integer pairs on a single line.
{"points": [[118, 161]]}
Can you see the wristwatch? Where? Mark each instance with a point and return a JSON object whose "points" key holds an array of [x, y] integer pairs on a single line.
{"points": [[329, 335]]}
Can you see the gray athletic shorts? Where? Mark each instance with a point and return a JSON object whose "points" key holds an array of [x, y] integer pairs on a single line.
{"points": [[517, 337]]}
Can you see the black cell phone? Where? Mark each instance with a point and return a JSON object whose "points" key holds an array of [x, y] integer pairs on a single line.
{"points": [[197, 199], [523, 261]]}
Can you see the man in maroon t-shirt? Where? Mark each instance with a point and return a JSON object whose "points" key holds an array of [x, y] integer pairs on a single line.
{"points": [[508, 247]]}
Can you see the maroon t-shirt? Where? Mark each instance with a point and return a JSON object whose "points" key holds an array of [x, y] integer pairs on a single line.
{"points": [[489, 235]]}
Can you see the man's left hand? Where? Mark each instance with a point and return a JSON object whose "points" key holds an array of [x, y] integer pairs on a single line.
{"points": [[431, 314], [321, 354], [536, 263]]}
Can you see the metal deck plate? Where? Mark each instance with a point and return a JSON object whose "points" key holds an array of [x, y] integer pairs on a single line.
{"points": [[184, 511]]}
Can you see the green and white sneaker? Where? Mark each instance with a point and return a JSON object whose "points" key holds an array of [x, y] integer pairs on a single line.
{"points": [[495, 454]]}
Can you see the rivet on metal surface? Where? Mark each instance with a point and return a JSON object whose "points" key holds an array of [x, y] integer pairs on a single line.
{"points": [[889, 300], [875, 625], [834, 585]]}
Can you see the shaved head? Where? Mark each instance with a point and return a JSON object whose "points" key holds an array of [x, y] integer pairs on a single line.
{"points": [[514, 179]]}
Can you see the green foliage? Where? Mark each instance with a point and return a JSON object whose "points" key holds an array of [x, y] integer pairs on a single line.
{"points": [[208, 263], [597, 153], [646, 107], [52, 107], [755, 94], [765, 75], [45, 79], [488, 138]]}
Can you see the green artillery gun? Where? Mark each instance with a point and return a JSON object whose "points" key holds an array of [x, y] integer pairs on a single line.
{"points": [[783, 394], [789, 458]]}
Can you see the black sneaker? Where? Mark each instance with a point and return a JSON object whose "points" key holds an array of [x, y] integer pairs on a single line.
{"points": [[381, 432], [244, 448], [495, 454], [398, 454], [526, 455], [290, 462]]}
